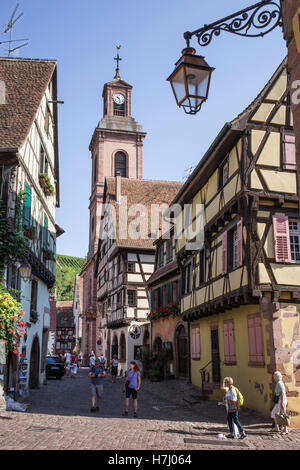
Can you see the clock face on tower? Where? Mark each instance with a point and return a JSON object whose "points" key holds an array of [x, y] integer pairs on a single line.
{"points": [[119, 99]]}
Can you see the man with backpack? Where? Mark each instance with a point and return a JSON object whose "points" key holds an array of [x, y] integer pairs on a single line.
{"points": [[96, 375], [233, 400]]}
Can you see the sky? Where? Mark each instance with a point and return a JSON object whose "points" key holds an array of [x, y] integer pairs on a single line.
{"points": [[82, 36]]}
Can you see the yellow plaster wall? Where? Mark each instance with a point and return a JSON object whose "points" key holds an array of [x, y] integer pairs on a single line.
{"points": [[253, 382], [286, 274], [280, 181], [270, 154]]}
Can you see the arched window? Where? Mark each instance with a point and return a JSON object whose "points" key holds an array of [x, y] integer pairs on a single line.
{"points": [[120, 164]]}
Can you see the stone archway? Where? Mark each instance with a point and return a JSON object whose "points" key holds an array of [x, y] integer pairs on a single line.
{"points": [[34, 363], [182, 352]]}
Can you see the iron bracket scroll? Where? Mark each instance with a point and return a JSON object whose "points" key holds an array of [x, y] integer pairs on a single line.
{"points": [[255, 21]]}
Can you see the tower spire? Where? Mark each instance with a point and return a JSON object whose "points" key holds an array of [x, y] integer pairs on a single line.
{"points": [[118, 59]]}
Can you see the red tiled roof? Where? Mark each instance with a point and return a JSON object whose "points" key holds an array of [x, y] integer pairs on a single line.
{"points": [[25, 83]]}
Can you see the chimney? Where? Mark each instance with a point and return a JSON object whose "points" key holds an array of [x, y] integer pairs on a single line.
{"points": [[118, 187]]}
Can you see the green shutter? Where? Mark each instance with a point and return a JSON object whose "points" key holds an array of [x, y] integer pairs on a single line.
{"points": [[152, 300], [27, 206], [179, 289], [169, 293], [46, 225]]}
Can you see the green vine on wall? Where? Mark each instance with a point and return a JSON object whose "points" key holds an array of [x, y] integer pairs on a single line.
{"points": [[13, 244]]}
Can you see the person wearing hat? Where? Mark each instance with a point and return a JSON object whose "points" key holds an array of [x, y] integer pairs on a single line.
{"points": [[96, 375]]}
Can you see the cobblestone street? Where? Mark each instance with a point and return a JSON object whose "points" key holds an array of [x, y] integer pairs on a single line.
{"points": [[59, 418]]}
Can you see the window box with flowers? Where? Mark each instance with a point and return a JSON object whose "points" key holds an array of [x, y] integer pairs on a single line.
{"points": [[30, 232], [164, 312], [45, 182]]}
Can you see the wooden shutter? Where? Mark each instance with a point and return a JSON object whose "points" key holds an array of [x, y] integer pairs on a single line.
{"points": [[289, 152], [255, 336], [169, 293], [224, 253], [282, 239], [27, 205], [196, 347], [240, 242], [229, 342], [152, 300]]}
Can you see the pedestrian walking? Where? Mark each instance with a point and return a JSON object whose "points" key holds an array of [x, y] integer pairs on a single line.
{"points": [[280, 403], [235, 429], [131, 387], [92, 358], [114, 368], [73, 366], [79, 360], [232, 404], [96, 375], [102, 359], [67, 363]]}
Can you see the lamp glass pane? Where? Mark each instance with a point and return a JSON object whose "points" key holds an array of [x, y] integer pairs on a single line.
{"points": [[197, 80], [179, 84]]}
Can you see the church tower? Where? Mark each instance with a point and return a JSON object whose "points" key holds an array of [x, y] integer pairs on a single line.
{"points": [[116, 147]]}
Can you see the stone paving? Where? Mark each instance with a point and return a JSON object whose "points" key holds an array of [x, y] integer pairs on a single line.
{"points": [[59, 418]]}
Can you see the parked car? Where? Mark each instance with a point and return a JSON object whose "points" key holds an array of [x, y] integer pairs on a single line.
{"points": [[54, 367]]}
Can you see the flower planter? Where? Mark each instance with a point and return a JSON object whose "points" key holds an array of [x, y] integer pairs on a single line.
{"points": [[48, 255], [34, 316], [30, 232], [46, 185]]}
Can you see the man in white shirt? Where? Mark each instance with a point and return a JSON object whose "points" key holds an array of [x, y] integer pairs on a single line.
{"points": [[68, 362]]}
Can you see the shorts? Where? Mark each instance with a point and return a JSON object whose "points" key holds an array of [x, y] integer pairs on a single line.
{"points": [[97, 390], [131, 391]]}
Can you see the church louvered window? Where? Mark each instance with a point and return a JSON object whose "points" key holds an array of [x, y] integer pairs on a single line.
{"points": [[120, 164]]}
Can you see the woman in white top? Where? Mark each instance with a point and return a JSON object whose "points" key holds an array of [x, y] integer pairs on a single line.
{"points": [[114, 368], [280, 401]]}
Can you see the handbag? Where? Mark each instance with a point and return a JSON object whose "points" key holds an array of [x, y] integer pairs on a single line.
{"points": [[283, 419], [276, 398]]}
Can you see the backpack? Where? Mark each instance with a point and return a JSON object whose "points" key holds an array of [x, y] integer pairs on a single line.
{"points": [[239, 397]]}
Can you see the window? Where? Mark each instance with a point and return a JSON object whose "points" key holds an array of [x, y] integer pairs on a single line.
{"points": [[229, 342], [119, 109], [34, 297], [223, 173], [130, 267], [58, 346], [169, 293], [27, 206], [120, 164], [232, 248], [169, 250], [186, 279], [255, 336], [202, 266], [294, 227], [196, 345], [131, 296], [289, 152], [43, 161], [119, 298]]}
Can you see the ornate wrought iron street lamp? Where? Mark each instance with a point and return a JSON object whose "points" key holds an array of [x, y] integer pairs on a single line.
{"points": [[25, 271], [190, 80]]}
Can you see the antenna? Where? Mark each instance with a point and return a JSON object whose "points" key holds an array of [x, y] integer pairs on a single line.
{"points": [[188, 172], [9, 29]]}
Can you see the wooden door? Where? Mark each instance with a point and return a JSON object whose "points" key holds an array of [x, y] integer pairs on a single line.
{"points": [[34, 364]]}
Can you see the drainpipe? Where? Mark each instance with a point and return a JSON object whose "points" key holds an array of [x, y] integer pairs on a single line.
{"points": [[189, 352]]}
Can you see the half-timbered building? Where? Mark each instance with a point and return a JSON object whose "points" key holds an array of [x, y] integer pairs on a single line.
{"points": [[241, 288], [29, 162], [168, 331]]}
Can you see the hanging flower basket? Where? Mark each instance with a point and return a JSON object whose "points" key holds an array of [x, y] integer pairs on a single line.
{"points": [[45, 182], [11, 322], [30, 232]]}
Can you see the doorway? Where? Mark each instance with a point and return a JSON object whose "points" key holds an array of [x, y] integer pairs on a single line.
{"points": [[34, 364], [182, 352], [215, 355]]}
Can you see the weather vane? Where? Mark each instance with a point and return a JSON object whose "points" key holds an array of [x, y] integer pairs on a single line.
{"points": [[9, 29], [118, 60]]}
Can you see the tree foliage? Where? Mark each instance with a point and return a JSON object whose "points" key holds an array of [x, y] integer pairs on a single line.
{"points": [[65, 280]]}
